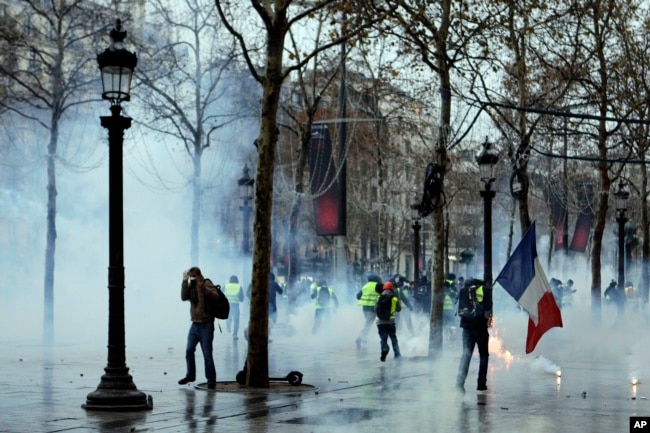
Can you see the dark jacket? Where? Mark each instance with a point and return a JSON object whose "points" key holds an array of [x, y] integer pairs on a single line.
{"points": [[198, 311], [274, 288], [486, 305]]}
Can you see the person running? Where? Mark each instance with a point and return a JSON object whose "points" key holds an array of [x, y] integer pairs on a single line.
{"points": [[387, 305], [475, 311], [367, 297]]}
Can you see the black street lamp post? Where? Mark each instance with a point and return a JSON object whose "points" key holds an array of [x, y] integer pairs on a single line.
{"points": [[487, 162], [116, 391], [415, 215], [246, 183], [620, 197]]}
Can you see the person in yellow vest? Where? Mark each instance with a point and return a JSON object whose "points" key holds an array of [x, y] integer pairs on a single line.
{"points": [[387, 305], [450, 294], [631, 296], [367, 298], [324, 298], [235, 295]]}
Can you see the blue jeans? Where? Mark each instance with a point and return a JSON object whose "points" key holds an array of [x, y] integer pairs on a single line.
{"points": [[472, 337], [233, 318], [387, 330], [202, 333]]}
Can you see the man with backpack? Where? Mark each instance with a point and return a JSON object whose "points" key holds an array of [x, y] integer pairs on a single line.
{"points": [[324, 299], [387, 305], [475, 311], [196, 289]]}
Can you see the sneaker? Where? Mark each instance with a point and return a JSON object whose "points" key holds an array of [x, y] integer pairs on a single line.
{"points": [[383, 356], [481, 387], [186, 380], [212, 385]]}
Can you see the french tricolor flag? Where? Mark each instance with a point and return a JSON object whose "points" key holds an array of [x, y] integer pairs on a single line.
{"points": [[523, 277]]}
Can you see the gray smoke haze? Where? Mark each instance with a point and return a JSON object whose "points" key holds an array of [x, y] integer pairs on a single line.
{"points": [[156, 236]]}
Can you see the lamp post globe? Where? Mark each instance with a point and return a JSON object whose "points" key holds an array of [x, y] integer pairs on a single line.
{"points": [[116, 390], [621, 196], [117, 66], [487, 162]]}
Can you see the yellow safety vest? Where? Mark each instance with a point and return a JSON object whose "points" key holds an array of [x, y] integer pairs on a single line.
{"points": [[448, 304], [369, 295], [232, 292], [317, 304]]}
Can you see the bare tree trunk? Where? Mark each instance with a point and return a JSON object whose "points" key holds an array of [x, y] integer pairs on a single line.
{"points": [[605, 181], [645, 231], [599, 229], [437, 279], [50, 245], [196, 209], [305, 142], [438, 267], [511, 228], [258, 333]]}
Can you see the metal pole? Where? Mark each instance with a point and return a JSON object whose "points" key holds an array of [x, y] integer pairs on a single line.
{"points": [[621, 258], [487, 195], [246, 210], [116, 391], [416, 250], [423, 251]]}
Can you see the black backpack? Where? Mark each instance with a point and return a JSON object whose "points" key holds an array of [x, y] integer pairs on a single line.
{"points": [[468, 306], [384, 306], [219, 309]]}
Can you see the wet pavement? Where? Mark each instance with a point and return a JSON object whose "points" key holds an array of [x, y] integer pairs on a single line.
{"points": [[351, 390]]}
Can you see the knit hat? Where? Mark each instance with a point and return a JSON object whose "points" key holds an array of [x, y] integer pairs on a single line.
{"points": [[388, 286]]}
